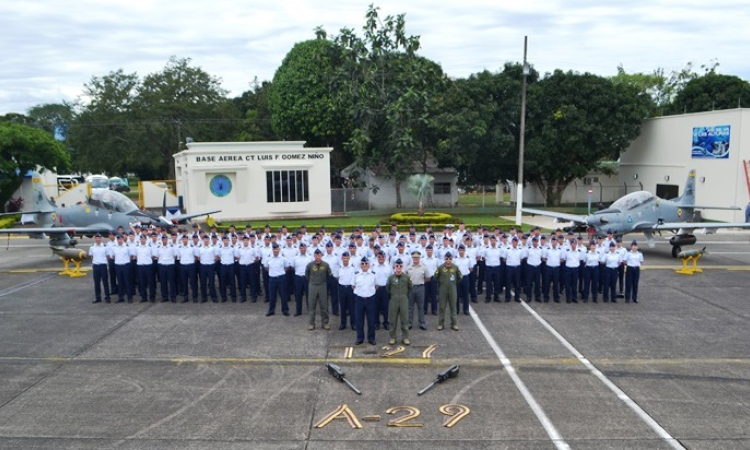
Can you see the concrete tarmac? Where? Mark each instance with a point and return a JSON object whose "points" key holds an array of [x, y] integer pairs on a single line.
{"points": [[672, 371]]}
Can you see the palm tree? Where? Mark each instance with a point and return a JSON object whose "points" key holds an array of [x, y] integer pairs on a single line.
{"points": [[420, 185]]}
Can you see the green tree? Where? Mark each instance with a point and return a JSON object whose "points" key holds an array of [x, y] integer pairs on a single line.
{"points": [[574, 122], [391, 94], [134, 125], [254, 109], [53, 118], [24, 148], [305, 100], [711, 92]]}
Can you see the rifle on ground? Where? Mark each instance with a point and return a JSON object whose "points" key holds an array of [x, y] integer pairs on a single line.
{"points": [[339, 374], [450, 372]]}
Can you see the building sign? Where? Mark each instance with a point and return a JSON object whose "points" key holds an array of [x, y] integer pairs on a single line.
{"points": [[711, 142], [255, 157]]}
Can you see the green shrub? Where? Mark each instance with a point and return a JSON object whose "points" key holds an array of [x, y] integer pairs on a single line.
{"points": [[415, 218], [9, 221]]}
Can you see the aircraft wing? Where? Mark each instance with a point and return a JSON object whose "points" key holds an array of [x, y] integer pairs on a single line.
{"points": [[694, 225], [180, 218], [56, 230], [557, 215]]}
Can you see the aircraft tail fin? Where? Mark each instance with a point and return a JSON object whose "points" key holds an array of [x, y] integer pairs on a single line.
{"points": [[688, 194], [39, 200]]}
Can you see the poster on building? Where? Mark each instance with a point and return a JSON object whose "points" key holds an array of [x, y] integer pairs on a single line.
{"points": [[711, 142]]}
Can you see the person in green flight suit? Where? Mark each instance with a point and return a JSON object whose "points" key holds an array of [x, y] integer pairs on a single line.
{"points": [[448, 276], [317, 273], [399, 289]]}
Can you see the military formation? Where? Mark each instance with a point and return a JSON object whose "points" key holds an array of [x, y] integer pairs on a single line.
{"points": [[368, 280]]}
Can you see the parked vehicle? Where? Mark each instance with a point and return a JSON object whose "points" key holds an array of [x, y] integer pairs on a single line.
{"points": [[118, 184], [98, 181]]}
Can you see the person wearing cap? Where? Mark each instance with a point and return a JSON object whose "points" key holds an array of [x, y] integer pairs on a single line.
{"points": [[299, 266], [346, 291], [534, 271], [573, 258], [207, 256], [111, 242], [633, 260], [99, 255], [145, 254], [382, 271], [227, 257], [398, 287], [621, 270], [513, 257], [419, 275], [365, 286], [465, 265], [492, 261], [317, 272], [612, 260], [187, 254], [167, 275], [552, 258], [448, 277], [277, 268], [122, 256], [430, 287], [247, 255], [591, 273], [332, 284]]}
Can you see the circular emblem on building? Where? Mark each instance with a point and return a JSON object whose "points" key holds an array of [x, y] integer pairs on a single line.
{"points": [[220, 185]]}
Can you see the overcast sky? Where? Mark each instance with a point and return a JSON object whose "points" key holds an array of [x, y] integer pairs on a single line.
{"points": [[51, 48]]}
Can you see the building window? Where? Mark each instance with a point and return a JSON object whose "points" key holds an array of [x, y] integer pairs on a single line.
{"points": [[588, 181], [442, 188], [286, 186]]}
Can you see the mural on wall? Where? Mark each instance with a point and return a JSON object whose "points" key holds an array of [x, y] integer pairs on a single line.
{"points": [[711, 142]]}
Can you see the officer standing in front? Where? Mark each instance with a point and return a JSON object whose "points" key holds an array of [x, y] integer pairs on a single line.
{"points": [[98, 253], [612, 261], [364, 302], [448, 276], [316, 274], [399, 289], [573, 259], [276, 266], [122, 256], [419, 276], [633, 261]]}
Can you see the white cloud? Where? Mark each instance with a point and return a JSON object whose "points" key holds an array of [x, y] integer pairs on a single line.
{"points": [[50, 49]]}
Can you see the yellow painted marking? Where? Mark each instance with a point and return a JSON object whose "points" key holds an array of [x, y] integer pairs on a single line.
{"points": [[399, 349], [427, 353], [348, 352], [455, 413], [411, 413], [342, 412]]}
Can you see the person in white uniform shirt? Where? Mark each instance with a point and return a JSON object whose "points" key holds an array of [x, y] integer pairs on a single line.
{"points": [[534, 271], [145, 254], [187, 253], [98, 253], [365, 286], [382, 270], [167, 274], [299, 265], [276, 266], [513, 257], [247, 255], [633, 261], [346, 291], [573, 257], [612, 261], [591, 273], [465, 264]]}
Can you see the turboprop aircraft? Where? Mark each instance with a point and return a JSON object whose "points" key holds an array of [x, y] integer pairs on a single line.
{"points": [[103, 211], [643, 212]]}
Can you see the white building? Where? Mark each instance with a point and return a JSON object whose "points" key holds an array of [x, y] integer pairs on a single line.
{"points": [[381, 191], [716, 144], [254, 180]]}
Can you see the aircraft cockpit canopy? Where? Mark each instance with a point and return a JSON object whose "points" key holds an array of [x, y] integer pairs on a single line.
{"points": [[111, 200], [633, 200]]}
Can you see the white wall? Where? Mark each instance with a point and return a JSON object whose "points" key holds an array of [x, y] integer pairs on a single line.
{"points": [[245, 164], [386, 196], [664, 150]]}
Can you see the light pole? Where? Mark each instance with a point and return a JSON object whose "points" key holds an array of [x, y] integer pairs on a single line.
{"points": [[519, 185]]}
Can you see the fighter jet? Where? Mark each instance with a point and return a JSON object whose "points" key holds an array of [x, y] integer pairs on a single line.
{"points": [[643, 212], [103, 211]]}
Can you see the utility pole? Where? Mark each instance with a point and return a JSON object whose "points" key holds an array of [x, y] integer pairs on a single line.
{"points": [[519, 185]]}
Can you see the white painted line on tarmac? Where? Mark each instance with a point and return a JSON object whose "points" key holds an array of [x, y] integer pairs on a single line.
{"points": [[549, 427], [653, 424]]}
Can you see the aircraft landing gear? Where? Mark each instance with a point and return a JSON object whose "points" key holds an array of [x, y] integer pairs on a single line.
{"points": [[676, 251]]}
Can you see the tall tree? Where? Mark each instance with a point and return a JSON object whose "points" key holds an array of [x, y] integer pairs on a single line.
{"points": [[53, 118], [305, 100], [134, 125], [253, 106], [574, 122], [24, 148], [711, 92]]}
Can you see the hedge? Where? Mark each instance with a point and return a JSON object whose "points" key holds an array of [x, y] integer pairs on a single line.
{"points": [[414, 218], [9, 221]]}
